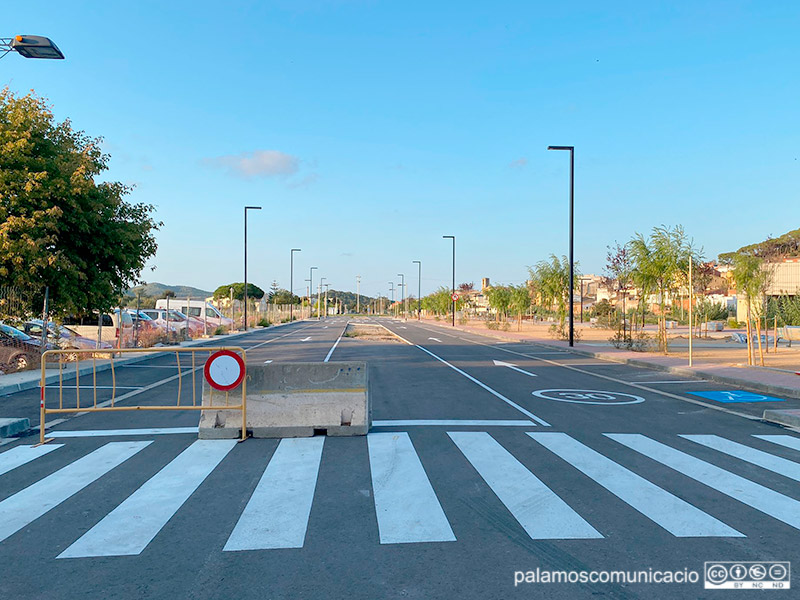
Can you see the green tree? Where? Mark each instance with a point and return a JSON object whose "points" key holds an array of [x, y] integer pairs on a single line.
{"points": [[520, 301], [224, 291], [59, 227], [550, 279], [752, 278], [499, 298], [282, 296]]}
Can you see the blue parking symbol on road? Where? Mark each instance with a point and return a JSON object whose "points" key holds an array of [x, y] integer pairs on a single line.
{"points": [[737, 396]]}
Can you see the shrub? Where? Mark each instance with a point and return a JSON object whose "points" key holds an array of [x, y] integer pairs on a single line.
{"points": [[493, 325], [462, 320], [264, 323], [220, 330], [733, 323]]}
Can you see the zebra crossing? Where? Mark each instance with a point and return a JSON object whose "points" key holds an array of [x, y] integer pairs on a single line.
{"points": [[407, 506]]}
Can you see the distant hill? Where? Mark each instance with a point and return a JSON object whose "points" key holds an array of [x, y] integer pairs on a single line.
{"points": [[156, 290], [784, 246]]}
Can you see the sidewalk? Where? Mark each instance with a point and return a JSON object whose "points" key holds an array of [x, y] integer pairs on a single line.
{"points": [[766, 381], [17, 382]]}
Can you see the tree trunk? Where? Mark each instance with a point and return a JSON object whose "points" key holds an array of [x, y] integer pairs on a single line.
{"points": [[749, 339], [758, 337]]}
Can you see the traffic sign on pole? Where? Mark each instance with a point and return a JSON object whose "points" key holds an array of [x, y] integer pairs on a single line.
{"points": [[224, 370], [454, 297]]}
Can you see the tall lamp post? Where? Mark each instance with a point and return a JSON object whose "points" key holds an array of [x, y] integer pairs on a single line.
{"points": [[30, 46], [571, 239], [419, 289], [402, 293], [319, 298], [453, 289], [291, 283], [311, 290], [246, 208], [391, 289], [358, 294]]}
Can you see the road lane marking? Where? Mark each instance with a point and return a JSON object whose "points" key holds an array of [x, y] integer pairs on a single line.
{"points": [[661, 382], [306, 339], [77, 433], [678, 517], [131, 526], [453, 423], [406, 505], [435, 339], [105, 387], [765, 460], [542, 514], [527, 413], [276, 516], [336, 343], [513, 367], [269, 341], [266, 362], [24, 507], [620, 381], [16, 457], [788, 441], [745, 491]]}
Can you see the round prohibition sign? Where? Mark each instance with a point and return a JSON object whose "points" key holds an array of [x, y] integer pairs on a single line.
{"points": [[597, 397], [224, 370], [454, 297]]}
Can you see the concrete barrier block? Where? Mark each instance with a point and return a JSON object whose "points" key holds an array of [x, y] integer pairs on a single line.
{"points": [[295, 400]]}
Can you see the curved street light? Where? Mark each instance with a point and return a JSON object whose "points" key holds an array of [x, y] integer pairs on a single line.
{"points": [[30, 46]]}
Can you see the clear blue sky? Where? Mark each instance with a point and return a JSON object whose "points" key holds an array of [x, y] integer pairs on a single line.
{"points": [[367, 130]]}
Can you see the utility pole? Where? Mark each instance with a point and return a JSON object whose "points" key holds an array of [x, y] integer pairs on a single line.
{"points": [[571, 150], [391, 288], [327, 286], [402, 293], [358, 294]]}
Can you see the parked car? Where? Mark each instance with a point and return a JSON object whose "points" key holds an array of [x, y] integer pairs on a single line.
{"points": [[87, 326], [18, 350], [177, 321], [62, 337], [142, 321], [196, 308]]}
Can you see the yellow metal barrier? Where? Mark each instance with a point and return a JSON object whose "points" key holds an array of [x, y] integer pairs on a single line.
{"points": [[75, 356]]}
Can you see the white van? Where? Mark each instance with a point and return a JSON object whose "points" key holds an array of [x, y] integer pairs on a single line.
{"points": [[195, 308]]}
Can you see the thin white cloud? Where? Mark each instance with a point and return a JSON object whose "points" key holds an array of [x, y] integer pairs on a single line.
{"points": [[259, 163], [519, 163]]}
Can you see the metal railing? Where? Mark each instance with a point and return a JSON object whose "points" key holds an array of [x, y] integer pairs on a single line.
{"points": [[110, 360]]}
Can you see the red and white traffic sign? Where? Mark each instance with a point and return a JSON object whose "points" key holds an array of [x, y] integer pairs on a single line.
{"points": [[224, 370], [454, 297]]}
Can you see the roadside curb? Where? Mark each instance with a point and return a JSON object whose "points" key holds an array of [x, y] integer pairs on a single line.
{"points": [[755, 386], [34, 379]]}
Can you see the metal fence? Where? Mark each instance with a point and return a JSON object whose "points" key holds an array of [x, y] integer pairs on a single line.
{"points": [[55, 398]]}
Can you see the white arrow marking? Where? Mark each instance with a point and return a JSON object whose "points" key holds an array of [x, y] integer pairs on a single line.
{"points": [[266, 362], [436, 340], [513, 367], [305, 339], [325, 327]]}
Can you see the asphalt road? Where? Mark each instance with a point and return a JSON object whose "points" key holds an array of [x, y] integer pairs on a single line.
{"points": [[485, 459]]}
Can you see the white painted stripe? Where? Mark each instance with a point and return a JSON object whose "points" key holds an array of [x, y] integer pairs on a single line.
{"points": [[678, 517], [542, 514], [276, 516], [527, 413], [117, 432], [765, 460], [336, 343], [660, 382], [16, 457], [745, 491], [787, 441], [453, 423], [131, 526], [104, 387], [25, 506], [173, 367], [406, 505]]}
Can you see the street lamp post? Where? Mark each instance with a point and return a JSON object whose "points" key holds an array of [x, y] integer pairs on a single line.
{"points": [[291, 283], [402, 293], [246, 208], [30, 46], [571, 238], [391, 289], [319, 298], [419, 289], [311, 290], [327, 286], [358, 294], [453, 289]]}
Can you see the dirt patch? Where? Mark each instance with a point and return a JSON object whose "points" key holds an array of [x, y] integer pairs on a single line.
{"points": [[365, 331]]}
